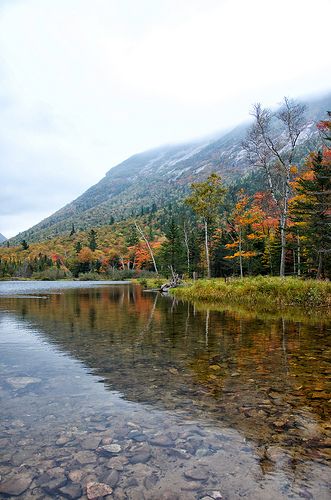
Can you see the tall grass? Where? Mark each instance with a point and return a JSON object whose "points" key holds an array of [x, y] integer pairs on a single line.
{"points": [[269, 292]]}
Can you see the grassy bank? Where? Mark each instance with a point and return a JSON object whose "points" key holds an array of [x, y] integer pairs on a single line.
{"points": [[266, 292], [150, 283]]}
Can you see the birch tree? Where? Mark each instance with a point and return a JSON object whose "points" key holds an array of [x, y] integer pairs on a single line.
{"points": [[271, 144], [141, 232], [205, 200]]}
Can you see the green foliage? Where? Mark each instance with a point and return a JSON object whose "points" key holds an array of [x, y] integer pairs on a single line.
{"points": [[24, 244], [311, 210], [92, 240], [172, 254], [78, 246], [51, 274], [207, 197], [91, 276], [151, 283]]}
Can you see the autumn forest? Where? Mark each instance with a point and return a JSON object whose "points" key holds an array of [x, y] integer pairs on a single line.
{"points": [[274, 222]]}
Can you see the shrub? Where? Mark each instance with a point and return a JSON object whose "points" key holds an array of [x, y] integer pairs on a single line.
{"points": [[51, 274]]}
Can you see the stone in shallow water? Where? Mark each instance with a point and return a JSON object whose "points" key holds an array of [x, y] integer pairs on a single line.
{"points": [[75, 476], [85, 457], [95, 490], [22, 382], [91, 443], [110, 449], [62, 440], [161, 440], [117, 463], [150, 481], [15, 486], [51, 487], [196, 473], [56, 472], [213, 495], [191, 486], [71, 491], [167, 495], [140, 457], [112, 478], [216, 495]]}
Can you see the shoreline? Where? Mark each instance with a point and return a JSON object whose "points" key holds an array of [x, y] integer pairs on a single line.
{"points": [[266, 293]]}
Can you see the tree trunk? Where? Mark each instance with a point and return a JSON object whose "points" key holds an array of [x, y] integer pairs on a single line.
{"points": [[240, 256], [207, 328], [140, 231], [320, 266], [299, 255], [187, 250], [207, 249], [283, 245]]}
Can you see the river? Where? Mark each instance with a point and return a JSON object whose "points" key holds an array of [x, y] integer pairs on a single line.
{"points": [[103, 385]]}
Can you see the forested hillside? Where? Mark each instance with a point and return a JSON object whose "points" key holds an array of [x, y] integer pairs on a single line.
{"points": [[151, 180], [275, 218]]}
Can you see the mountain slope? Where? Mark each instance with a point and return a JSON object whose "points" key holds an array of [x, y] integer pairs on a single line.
{"points": [[2, 238], [161, 175]]}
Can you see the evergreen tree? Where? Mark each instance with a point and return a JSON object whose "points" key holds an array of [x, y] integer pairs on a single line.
{"points": [[311, 208], [92, 240], [172, 254], [133, 237], [154, 208], [73, 230], [78, 247], [24, 244]]}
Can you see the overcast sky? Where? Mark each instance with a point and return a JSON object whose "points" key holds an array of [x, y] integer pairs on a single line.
{"points": [[84, 84]]}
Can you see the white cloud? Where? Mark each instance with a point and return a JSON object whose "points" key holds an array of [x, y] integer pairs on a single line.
{"points": [[86, 84]]}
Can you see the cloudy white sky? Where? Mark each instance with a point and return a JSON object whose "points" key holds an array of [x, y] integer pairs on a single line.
{"points": [[86, 83]]}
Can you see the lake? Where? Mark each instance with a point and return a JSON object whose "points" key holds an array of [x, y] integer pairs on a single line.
{"points": [[141, 396]]}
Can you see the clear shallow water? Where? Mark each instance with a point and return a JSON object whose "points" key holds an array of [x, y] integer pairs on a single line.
{"points": [[199, 403]]}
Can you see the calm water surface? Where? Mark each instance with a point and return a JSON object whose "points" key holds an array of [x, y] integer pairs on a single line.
{"points": [[158, 399]]}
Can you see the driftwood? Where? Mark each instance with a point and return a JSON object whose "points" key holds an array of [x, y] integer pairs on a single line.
{"points": [[173, 283]]}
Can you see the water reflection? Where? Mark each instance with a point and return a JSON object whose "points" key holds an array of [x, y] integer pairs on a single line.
{"points": [[194, 368]]}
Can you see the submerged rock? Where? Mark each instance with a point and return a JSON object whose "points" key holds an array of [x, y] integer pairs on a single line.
{"points": [[109, 449], [113, 478], [71, 491], [22, 382], [161, 440], [95, 490], [15, 486], [85, 457], [51, 487], [140, 457], [91, 443], [196, 473], [76, 476]]}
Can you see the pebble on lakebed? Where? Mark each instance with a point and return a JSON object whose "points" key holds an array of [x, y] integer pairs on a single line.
{"points": [[95, 490]]}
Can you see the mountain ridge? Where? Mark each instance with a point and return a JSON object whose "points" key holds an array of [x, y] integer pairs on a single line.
{"points": [[162, 175]]}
